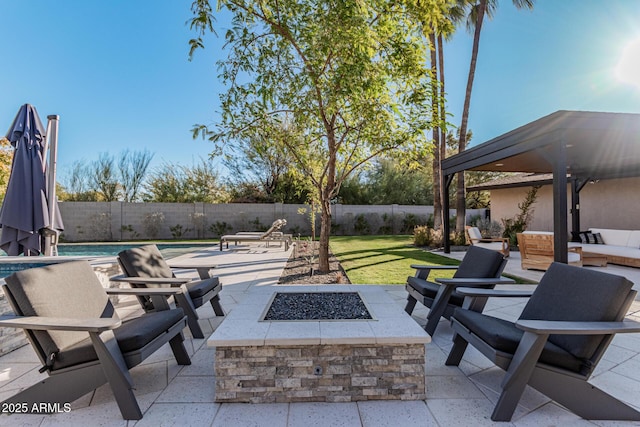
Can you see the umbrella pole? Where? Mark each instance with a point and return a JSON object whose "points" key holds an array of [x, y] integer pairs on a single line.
{"points": [[51, 237]]}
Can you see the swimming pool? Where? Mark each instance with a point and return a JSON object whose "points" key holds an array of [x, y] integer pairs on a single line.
{"points": [[90, 250]]}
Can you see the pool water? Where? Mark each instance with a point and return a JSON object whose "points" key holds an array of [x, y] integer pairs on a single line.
{"points": [[168, 250]]}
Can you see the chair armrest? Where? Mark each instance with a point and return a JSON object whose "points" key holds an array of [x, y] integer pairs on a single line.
{"points": [[150, 280], [434, 267], [192, 266], [473, 292], [144, 291], [60, 323], [498, 239], [470, 282], [576, 328]]}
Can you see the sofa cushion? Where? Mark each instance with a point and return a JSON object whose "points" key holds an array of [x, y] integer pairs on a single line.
{"points": [[634, 239], [613, 237]]}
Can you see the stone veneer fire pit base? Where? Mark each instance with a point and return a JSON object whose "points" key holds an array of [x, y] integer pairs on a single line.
{"points": [[320, 361], [347, 373]]}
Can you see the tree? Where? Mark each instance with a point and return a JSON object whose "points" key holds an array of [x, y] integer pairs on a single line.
{"points": [[349, 78], [77, 186], [183, 184], [260, 171], [6, 157], [477, 11], [104, 180], [132, 167]]}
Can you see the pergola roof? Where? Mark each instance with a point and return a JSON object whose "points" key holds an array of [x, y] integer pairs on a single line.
{"points": [[584, 145], [598, 145]]}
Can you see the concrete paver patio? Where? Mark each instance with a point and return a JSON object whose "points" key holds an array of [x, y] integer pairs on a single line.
{"points": [[173, 395]]}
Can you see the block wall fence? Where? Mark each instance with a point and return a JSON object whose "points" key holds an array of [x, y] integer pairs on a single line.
{"points": [[116, 221]]}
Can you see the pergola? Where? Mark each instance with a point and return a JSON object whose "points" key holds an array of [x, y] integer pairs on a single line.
{"points": [[574, 146]]}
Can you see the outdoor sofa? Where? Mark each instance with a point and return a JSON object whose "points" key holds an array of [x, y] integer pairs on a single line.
{"points": [[618, 246]]}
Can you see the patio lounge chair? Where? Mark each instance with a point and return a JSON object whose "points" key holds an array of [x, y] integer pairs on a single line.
{"points": [[480, 267], [497, 244], [271, 235], [79, 338], [145, 266], [556, 343]]}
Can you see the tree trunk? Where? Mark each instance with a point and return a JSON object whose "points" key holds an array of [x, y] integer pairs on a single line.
{"points": [[443, 114], [462, 144], [326, 193], [325, 232], [435, 110]]}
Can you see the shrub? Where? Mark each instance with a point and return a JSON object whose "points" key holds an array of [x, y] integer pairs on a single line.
{"points": [[129, 229], [219, 228], [152, 223], [361, 226], [199, 221], [425, 236], [411, 220], [519, 223], [100, 226], [177, 232], [487, 227]]}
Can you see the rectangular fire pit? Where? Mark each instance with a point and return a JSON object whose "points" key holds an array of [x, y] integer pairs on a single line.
{"points": [[319, 359]]}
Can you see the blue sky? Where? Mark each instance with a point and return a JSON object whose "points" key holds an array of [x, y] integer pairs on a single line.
{"points": [[117, 71]]}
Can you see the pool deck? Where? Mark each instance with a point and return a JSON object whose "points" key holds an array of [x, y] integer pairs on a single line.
{"points": [[170, 395]]}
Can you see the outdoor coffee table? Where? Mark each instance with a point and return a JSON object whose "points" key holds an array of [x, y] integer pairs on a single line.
{"points": [[343, 360]]}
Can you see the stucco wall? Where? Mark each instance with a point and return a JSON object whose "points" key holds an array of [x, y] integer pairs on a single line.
{"points": [[605, 204], [114, 221]]}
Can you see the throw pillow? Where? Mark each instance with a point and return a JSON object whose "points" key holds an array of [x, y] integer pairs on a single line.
{"points": [[584, 237], [598, 238]]}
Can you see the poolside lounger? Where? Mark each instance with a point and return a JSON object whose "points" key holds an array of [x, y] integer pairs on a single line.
{"points": [[271, 235]]}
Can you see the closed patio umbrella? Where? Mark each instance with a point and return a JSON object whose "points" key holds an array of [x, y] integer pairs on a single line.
{"points": [[26, 215]]}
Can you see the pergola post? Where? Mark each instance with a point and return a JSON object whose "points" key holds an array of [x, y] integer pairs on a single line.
{"points": [[446, 225], [560, 231]]}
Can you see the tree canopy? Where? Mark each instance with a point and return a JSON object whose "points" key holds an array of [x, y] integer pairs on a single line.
{"points": [[348, 79]]}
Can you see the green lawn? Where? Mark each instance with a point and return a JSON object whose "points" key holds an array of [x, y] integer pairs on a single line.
{"points": [[383, 259], [386, 260]]}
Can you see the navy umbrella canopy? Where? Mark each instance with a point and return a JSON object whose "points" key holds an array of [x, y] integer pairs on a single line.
{"points": [[25, 214]]}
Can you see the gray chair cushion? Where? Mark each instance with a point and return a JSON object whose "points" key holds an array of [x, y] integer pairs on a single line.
{"points": [[198, 288], [477, 263], [429, 290], [69, 289], [573, 293], [144, 261], [480, 262], [132, 335], [504, 336]]}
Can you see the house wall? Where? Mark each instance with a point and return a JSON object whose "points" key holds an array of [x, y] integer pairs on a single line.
{"points": [[605, 204]]}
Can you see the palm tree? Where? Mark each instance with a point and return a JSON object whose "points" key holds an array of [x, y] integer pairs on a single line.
{"points": [[477, 11], [446, 27]]}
